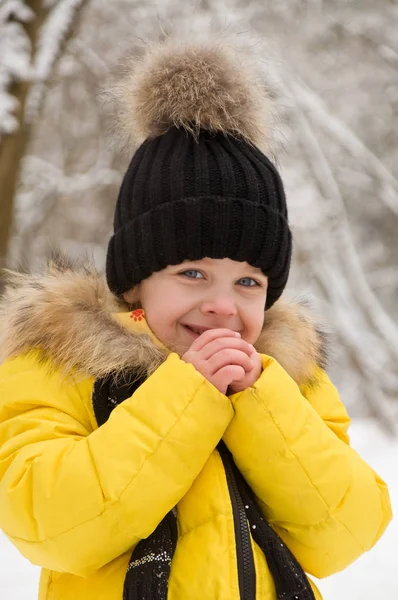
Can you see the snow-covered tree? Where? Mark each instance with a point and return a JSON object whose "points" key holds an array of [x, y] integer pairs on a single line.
{"points": [[32, 35]]}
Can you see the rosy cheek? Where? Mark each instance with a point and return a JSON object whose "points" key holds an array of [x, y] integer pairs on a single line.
{"points": [[255, 331]]}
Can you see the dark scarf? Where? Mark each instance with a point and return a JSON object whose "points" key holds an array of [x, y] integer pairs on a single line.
{"points": [[148, 571]]}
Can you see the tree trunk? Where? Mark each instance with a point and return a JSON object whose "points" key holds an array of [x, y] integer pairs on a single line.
{"points": [[13, 147]]}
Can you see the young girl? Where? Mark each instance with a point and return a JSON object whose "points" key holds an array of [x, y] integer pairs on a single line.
{"points": [[194, 447]]}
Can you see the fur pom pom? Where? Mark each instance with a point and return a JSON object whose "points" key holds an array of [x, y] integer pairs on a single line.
{"points": [[210, 85]]}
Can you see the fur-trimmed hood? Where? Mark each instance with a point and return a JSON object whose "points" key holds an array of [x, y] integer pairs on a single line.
{"points": [[70, 314]]}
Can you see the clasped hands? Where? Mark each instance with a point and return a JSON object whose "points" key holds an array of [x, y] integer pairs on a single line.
{"points": [[228, 362]]}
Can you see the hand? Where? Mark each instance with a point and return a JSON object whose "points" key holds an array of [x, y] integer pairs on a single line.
{"points": [[221, 356], [250, 377]]}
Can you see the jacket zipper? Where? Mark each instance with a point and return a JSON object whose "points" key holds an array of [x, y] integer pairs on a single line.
{"points": [[244, 553]]}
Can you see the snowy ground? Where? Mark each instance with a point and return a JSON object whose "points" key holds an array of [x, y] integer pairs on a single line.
{"points": [[372, 576]]}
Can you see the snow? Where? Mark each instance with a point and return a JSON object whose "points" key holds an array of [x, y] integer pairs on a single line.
{"points": [[52, 36], [371, 576], [15, 56]]}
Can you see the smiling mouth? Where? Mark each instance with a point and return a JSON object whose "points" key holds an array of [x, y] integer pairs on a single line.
{"points": [[196, 330]]}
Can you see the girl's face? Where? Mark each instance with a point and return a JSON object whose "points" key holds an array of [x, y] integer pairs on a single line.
{"points": [[182, 301]]}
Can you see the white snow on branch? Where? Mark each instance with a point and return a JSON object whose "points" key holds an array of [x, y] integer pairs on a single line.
{"points": [[15, 58], [314, 104], [51, 38], [39, 173]]}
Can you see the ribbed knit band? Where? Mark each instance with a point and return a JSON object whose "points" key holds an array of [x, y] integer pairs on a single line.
{"points": [[195, 228], [187, 199]]}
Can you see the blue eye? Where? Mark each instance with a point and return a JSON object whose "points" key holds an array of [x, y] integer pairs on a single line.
{"points": [[192, 274], [248, 282]]}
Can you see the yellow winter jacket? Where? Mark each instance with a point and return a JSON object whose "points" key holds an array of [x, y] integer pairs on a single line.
{"points": [[76, 498]]}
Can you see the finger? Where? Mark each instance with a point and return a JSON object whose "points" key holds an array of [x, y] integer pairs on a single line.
{"points": [[229, 357], [212, 334], [225, 376], [225, 343]]}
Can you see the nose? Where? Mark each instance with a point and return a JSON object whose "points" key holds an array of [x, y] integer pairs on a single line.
{"points": [[222, 306]]}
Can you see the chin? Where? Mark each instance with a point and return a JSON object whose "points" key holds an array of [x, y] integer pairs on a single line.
{"points": [[177, 345]]}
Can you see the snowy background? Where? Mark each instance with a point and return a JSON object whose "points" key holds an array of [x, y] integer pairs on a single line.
{"points": [[333, 67]]}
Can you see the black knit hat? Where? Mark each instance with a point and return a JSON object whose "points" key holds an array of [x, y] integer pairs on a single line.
{"points": [[200, 187]]}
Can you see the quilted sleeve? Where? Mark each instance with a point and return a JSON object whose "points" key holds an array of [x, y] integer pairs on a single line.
{"points": [[292, 447], [73, 498]]}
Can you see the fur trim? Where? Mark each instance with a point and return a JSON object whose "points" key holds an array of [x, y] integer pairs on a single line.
{"points": [[292, 336], [67, 312], [210, 85]]}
